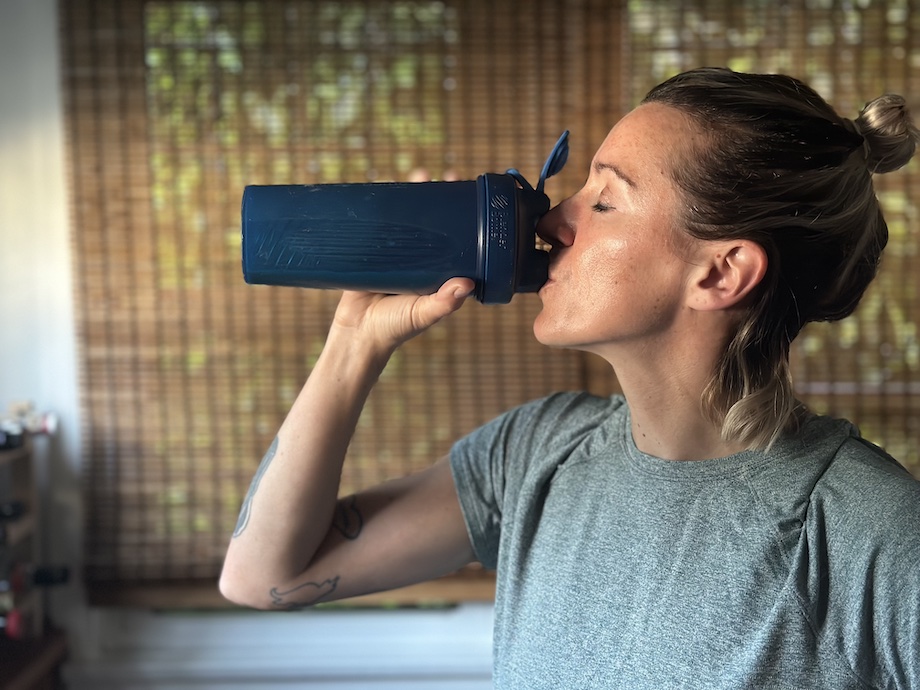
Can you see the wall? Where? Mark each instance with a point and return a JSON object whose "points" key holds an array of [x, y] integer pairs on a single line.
{"points": [[447, 649]]}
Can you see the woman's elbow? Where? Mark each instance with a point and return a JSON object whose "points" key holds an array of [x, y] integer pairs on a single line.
{"points": [[238, 590]]}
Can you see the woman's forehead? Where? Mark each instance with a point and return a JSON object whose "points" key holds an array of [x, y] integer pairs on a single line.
{"points": [[653, 124], [647, 142]]}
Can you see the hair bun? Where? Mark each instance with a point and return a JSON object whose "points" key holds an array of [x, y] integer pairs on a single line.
{"points": [[890, 134]]}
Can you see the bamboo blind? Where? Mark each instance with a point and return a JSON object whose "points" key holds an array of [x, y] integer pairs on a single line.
{"points": [[174, 106]]}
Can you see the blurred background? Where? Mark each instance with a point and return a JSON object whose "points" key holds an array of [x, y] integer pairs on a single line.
{"points": [[128, 130]]}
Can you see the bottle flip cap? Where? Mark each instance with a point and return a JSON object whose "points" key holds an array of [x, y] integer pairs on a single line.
{"points": [[555, 162]]}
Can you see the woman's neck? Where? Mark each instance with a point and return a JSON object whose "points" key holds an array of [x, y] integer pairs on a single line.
{"points": [[672, 430], [663, 384]]}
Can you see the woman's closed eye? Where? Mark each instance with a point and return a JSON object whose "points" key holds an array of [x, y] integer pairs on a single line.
{"points": [[601, 207]]}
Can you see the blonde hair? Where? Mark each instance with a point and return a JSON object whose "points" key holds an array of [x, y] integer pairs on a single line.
{"points": [[781, 168]]}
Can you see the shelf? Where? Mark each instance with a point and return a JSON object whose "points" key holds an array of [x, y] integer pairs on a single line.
{"points": [[26, 602], [30, 663], [20, 542], [14, 454], [14, 532]]}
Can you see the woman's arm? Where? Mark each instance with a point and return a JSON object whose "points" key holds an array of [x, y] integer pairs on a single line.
{"points": [[295, 544]]}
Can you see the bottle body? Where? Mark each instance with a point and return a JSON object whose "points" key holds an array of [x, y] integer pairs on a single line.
{"points": [[396, 237]]}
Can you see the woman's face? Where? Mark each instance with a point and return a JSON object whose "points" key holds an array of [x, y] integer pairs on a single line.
{"points": [[615, 272]]}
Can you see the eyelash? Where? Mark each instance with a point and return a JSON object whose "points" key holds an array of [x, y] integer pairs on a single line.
{"points": [[602, 208]]}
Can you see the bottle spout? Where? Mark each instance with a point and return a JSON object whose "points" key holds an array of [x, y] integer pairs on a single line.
{"points": [[534, 271]]}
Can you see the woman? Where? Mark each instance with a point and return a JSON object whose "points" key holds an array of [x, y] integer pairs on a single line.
{"points": [[701, 530]]}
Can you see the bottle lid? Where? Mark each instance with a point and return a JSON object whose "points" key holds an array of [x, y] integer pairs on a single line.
{"points": [[554, 163]]}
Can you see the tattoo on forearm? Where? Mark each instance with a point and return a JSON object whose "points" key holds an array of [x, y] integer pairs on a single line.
{"points": [[247, 502], [312, 591], [348, 519]]}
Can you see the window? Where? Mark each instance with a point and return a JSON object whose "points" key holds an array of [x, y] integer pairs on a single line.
{"points": [[174, 106]]}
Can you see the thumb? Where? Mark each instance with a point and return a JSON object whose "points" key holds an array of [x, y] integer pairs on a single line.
{"points": [[448, 299], [456, 289]]}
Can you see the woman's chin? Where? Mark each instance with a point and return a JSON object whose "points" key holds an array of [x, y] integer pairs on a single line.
{"points": [[546, 331]]}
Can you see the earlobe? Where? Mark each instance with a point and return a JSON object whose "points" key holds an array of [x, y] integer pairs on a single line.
{"points": [[729, 273]]}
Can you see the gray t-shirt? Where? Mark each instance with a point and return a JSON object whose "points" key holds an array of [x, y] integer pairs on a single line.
{"points": [[615, 569]]}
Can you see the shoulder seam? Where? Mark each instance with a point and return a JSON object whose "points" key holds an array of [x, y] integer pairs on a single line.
{"points": [[801, 602]]}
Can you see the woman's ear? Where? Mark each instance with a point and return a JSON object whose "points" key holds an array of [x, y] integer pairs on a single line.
{"points": [[726, 272]]}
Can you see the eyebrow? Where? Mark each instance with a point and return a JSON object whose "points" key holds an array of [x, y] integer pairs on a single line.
{"points": [[601, 167]]}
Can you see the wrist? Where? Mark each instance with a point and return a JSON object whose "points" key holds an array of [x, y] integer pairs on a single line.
{"points": [[347, 350]]}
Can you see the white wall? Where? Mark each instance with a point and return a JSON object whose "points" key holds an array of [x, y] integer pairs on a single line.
{"points": [[37, 356], [118, 649]]}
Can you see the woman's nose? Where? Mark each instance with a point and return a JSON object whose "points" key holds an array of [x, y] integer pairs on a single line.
{"points": [[555, 229]]}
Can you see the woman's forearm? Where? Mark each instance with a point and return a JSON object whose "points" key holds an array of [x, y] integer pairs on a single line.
{"points": [[288, 510], [290, 503]]}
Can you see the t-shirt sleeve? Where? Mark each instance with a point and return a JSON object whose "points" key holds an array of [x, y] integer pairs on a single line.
{"points": [[894, 625], [905, 617], [500, 466], [478, 465], [873, 550], [895, 582]]}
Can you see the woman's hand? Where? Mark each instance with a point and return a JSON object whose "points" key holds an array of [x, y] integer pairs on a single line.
{"points": [[387, 321]]}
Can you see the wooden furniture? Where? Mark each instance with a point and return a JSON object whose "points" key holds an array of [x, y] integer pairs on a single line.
{"points": [[32, 664], [31, 660]]}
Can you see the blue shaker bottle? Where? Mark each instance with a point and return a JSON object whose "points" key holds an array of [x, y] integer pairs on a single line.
{"points": [[401, 237]]}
